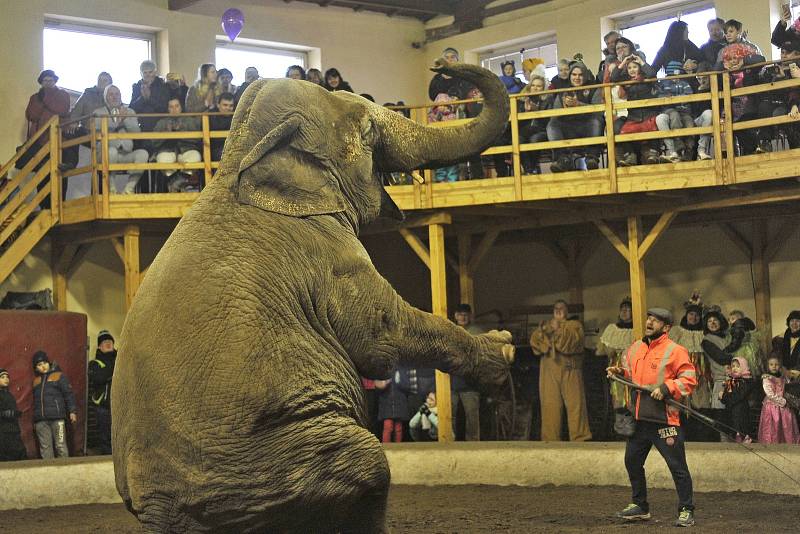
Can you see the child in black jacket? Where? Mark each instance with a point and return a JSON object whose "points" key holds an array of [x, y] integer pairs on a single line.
{"points": [[736, 396], [53, 402], [11, 447]]}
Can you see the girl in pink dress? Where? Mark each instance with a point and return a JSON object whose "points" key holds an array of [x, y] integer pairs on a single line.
{"points": [[778, 423]]}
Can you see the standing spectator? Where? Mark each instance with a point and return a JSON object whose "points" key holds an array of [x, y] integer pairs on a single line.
{"points": [[461, 391], [250, 75], [392, 409], [121, 119], [176, 84], [614, 341], [424, 426], [735, 35], [534, 130], [677, 48], [790, 353], [533, 66], [334, 81], [150, 95], [221, 122], [786, 101], [561, 79], [371, 402], [734, 58], [745, 341], [315, 76], [609, 52], [91, 99], [576, 126], [509, 78], [778, 423], [202, 96], [559, 342], [716, 42], [11, 446], [53, 401], [224, 78], [714, 342], [415, 383], [441, 113], [296, 72], [101, 372], [736, 397], [180, 150], [661, 365]]}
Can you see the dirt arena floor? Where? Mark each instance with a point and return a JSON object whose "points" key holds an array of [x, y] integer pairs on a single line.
{"points": [[485, 509]]}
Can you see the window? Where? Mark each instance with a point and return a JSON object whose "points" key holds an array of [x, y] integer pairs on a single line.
{"points": [[270, 62], [492, 60], [648, 31], [79, 53]]}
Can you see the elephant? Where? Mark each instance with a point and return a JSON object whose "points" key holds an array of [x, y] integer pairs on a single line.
{"points": [[237, 395]]}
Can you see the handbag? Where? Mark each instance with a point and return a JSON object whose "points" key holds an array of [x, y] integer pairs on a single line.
{"points": [[650, 409]]}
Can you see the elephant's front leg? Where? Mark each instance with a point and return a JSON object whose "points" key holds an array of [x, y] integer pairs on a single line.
{"points": [[379, 330]]}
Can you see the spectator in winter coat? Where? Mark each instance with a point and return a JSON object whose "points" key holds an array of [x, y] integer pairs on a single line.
{"points": [[392, 409], [609, 52], [613, 344], [121, 119], [221, 122], [250, 75], [785, 101], [91, 99], [677, 47], [733, 35], [462, 392], [224, 79], [176, 84], [561, 80], [180, 150], [101, 372], [576, 126], [150, 95], [11, 446], [334, 81], [713, 344], [202, 96], [790, 350], [53, 401], [534, 130], [734, 58], [735, 395], [442, 83], [509, 78], [49, 101], [424, 426], [716, 42]]}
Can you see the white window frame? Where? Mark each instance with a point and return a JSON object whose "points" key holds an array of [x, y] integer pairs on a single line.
{"points": [[266, 48], [659, 13], [51, 23], [507, 50]]}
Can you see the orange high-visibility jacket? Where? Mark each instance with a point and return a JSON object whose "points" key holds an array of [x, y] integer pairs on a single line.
{"points": [[661, 363]]}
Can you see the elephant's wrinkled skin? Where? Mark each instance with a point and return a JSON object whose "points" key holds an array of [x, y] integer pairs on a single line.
{"points": [[237, 401]]}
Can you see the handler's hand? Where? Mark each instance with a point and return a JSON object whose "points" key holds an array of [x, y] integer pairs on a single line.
{"points": [[657, 395], [614, 371]]}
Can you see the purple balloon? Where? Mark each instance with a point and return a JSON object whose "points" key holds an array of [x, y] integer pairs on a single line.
{"points": [[232, 23]]}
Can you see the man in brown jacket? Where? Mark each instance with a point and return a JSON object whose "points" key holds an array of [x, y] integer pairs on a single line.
{"points": [[559, 342]]}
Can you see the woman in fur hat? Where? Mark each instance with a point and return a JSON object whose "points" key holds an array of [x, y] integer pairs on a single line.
{"points": [[715, 328]]}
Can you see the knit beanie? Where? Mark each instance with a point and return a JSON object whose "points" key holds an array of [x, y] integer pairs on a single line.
{"points": [[104, 335], [3, 372], [794, 314], [38, 357]]}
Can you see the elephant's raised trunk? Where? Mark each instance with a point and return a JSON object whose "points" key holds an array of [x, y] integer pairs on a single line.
{"points": [[408, 145]]}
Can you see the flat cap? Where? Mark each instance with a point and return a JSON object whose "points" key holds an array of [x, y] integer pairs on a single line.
{"points": [[662, 314]]}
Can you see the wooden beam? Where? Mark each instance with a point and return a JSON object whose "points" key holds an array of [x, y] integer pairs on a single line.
{"points": [[417, 246], [614, 239], [761, 284], [61, 256], [738, 239], [466, 282], [119, 248], [657, 231], [439, 307], [481, 250], [574, 272], [785, 231], [177, 5], [414, 221], [78, 258], [131, 261], [637, 277]]}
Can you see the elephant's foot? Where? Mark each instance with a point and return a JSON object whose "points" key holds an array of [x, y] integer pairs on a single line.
{"points": [[368, 516]]}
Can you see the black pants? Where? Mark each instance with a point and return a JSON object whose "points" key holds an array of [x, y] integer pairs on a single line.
{"points": [[669, 443], [104, 429]]}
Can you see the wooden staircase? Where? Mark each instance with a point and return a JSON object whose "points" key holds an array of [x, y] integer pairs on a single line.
{"points": [[23, 220]]}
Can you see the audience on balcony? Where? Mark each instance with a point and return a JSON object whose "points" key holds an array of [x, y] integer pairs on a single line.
{"points": [[91, 99], [224, 78], [149, 95], [315, 76], [225, 104], [122, 119], [716, 42], [202, 96], [296, 72], [677, 49], [250, 75], [335, 82], [176, 83]]}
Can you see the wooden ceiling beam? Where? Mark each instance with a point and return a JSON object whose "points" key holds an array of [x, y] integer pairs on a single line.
{"points": [[177, 5]]}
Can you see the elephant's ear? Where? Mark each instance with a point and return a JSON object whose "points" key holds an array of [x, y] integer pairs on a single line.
{"points": [[274, 178]]}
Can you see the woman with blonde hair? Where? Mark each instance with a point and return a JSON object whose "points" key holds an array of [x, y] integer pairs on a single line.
{"points": [[202, 95]]}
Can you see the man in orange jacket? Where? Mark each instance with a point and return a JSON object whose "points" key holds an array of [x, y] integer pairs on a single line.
{"points": [[664, 368]]}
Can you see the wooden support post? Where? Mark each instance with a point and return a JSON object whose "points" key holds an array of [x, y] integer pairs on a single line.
{"points": [[719, 169], [637, 276], [106, 175], [760, 264], [515, 155], [132, 277], [574, 273], [206, 148], [612, 148], [439, 306], [730, 177], [466, 282], [55, 173], [417, 246], [60, 258]]}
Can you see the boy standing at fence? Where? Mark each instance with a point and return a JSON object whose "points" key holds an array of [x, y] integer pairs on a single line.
{"points": [[53, 401], [11, 447]]}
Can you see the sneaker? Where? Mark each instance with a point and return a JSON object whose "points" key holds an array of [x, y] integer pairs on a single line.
{"points": [[130, 187], [562, 164], [764, 147], [651, 157], [634, 512], [685, 518], [672, 157], [702, 155], [628, 160], [592, 163], [686, 154]]}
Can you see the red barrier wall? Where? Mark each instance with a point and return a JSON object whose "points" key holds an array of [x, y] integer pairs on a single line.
{"points": [[62, 335]]}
